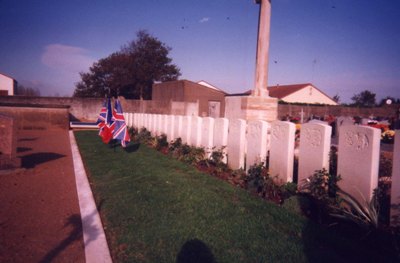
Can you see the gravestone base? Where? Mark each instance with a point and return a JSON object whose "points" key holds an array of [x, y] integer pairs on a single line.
{"points": [[251, 108]]}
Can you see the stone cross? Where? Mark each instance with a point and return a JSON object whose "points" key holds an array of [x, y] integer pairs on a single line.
{"points": [[261, 78]]}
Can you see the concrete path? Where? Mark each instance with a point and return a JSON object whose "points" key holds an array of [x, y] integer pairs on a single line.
{"points": [[96, 248], [47, 210]]}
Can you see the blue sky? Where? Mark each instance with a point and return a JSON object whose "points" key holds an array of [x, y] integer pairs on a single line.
{"points": [[341, 46]]}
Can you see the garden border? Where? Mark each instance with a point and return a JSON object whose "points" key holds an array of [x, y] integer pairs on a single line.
{"points": [[96, 247]]}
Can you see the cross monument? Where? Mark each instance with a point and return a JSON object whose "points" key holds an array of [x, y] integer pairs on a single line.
{"points": [[259, 105]]}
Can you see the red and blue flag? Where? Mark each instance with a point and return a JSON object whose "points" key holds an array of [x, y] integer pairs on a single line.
{"points": [[105, 122], [120, 131]]}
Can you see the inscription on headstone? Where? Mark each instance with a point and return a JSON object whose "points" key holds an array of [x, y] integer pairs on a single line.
{"points": [[358, 160]]}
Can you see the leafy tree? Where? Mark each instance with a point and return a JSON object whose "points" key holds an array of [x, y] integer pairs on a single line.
{"points": [[27, 91], [365, 98], [129, 72], [392, 100]]}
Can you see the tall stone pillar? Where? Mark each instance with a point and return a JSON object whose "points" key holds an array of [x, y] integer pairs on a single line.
{"points": [[261, 76], [257, 106]]}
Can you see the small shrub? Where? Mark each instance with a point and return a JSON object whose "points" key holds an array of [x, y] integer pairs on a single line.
{"points": [[133, 132], [217, 159], [321, 185], [258, 181], [321, 189], [385, 166], [161, 142], [175, 146], [191, 154], [144, 136], [364, 215]]}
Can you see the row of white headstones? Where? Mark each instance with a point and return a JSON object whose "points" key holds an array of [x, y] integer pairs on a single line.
{"points": [[248, 143]]}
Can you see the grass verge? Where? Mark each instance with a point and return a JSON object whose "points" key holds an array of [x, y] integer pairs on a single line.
{"points": [[157, 209]]}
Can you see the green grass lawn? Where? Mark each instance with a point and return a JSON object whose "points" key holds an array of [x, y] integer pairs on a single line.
{"points": [[157, 209]]}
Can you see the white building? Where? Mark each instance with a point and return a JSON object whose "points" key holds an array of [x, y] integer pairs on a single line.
{"points": [[7, 85], [301, 93]]}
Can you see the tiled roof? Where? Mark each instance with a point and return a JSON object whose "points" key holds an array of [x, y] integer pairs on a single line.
{"points": [[280, 92]]}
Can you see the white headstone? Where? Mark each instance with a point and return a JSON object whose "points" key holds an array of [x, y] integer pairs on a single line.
{"points": [[159, 124], [140, 121], [343, 121], [317, 121], [186, 129], [151, 126], [281, 156], [178, 127], [130, 120], [195, 136], [315, 143], [146, 121], [364, 121], [395, 191], [236, 143], [358, 160], [257, 132], [134, 120], [207, 135], [164, 124], [221, 127], [171, 127]]}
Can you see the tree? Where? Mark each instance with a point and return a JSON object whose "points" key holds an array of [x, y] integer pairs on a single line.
{"points": [[389, 99], [129, 72], [27, 91], [336, 98], [365, 98]]}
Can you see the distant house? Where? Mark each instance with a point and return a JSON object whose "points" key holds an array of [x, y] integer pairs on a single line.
{"points": [[210, 99], [299, 93], [7, 85]]}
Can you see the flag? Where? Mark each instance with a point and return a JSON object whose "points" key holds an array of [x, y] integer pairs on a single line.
{"points": [[101, 120], [120, 129], [105, 123]]}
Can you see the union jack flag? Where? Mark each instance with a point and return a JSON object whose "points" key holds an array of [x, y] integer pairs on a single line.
{"points": [[120, 131], [105, 122]]}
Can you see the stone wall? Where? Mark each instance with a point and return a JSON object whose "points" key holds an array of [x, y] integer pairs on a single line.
{"points": [[8, 143], [37, 117], [87, 109], [323, 110]]}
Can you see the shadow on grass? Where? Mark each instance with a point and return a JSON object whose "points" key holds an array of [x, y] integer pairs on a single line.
{"points": [[195, 251], [132, 147], [31, 160], [347, 242]]}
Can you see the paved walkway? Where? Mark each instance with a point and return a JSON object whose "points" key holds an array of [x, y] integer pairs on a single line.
{"points": [[40, 216]]}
